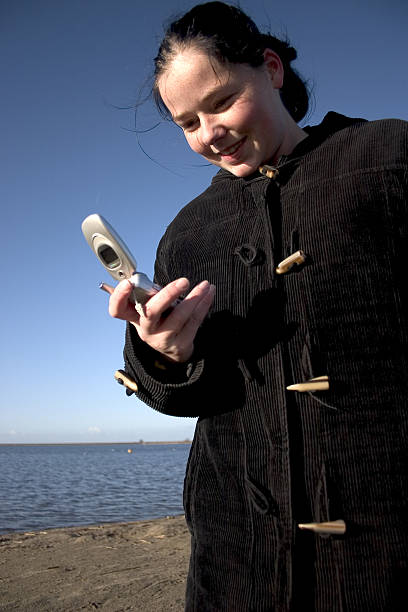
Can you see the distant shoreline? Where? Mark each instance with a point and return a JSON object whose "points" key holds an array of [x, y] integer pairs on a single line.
{"points": [[140, 443]]}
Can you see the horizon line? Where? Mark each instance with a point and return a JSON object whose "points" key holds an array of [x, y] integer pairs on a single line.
{"points": [[138, 442]]}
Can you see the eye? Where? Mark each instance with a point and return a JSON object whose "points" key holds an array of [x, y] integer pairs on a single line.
{"points": [[223, 102], [189, 126]]}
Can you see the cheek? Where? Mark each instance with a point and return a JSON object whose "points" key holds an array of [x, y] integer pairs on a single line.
{"points": [[244, 118], [195, 144]]}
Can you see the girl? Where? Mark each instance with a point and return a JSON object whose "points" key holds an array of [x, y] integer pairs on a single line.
{"points": [[290, 342]]}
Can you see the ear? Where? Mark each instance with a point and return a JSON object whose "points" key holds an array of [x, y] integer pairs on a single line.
{"points": [[274, 66]]}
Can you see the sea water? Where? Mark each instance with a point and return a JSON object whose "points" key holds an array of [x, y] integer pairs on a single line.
{"points": [[45, 486]]}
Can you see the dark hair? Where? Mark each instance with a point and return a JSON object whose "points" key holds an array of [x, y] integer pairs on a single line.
{"points": [[229, 35]]}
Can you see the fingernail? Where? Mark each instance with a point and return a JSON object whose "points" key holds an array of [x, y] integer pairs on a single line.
{"points": [[211, 292], [182, 283]]}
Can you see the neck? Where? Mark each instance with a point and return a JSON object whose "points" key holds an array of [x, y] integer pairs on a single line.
{"points": [[293, 136]]}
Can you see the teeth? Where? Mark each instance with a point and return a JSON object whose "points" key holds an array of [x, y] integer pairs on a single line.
{"points": [[231, 150]]}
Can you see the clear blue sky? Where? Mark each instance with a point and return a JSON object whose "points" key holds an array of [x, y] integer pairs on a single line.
{"points": [[67, 67]]}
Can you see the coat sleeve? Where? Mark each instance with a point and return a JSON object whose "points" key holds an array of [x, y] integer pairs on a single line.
{"points": [[208, 384]]}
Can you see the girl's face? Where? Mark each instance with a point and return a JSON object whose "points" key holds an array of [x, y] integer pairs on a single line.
{"points": [[230, 114]]}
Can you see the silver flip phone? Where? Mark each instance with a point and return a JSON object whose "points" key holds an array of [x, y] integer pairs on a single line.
{"points": [[116, 258]]}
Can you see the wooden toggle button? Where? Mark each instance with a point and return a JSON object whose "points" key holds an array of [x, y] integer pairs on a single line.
{"points": [[320, 383], [333, 527], [295, 259], [124, 379]]}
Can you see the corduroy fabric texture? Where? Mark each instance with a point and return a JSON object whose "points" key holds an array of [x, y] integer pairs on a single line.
{"points": [[265, 459]]}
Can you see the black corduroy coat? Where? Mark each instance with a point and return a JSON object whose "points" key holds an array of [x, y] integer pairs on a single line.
{"points": [[265, 459]]}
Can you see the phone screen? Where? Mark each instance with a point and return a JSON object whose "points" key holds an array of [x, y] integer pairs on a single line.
{"points": [[108, 256]]}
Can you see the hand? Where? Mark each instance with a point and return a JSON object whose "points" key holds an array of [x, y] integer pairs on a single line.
{"points": [[172, 335]]}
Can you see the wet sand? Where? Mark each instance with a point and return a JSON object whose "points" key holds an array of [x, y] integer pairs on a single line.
{"points": [[122, 566]]}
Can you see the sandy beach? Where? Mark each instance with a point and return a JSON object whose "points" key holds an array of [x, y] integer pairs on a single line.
{"points": [[122, 566]]}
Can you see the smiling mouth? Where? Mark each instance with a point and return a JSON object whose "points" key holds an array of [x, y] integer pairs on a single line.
{"points": [[230, 151]]}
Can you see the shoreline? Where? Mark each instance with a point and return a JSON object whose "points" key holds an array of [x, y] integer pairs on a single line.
{"points": [[140, 566], [48, 530]]}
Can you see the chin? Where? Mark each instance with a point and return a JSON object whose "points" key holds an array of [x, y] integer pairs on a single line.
{"points": [[242, 170]]}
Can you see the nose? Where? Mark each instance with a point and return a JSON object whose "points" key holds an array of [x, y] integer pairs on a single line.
{"points": [[211, 130]]}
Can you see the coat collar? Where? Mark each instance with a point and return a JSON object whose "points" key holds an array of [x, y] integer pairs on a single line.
{"points": [[332, 123]]}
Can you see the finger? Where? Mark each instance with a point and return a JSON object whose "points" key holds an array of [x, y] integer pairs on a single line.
{"points": [[184, 320], [201, 308], [162, 301], [183, 311], [120, 305], [108, 288], [180, 342]]}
